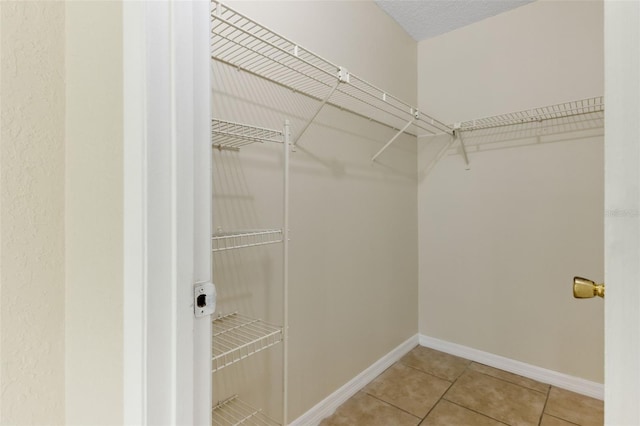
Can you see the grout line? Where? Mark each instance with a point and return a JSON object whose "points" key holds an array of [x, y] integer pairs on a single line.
{"points": [[437, 402], [477, 412], [431, 374], [544, 407], [515, 384], [445, 392], [393, 405], [560, 418]]}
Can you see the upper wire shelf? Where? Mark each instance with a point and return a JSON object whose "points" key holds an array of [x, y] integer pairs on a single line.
{"points": [[231, 136], [234, 411], [590, 108], [243, 43]]}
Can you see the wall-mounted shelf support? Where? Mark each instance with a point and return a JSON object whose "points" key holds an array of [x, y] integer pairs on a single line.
{"points": [[322, 104], [458, 135], [393, 139]]}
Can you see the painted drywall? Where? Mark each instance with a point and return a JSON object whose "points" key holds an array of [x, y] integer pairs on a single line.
{"points": [[501, 242], [32, 333], [93, 215], [353, 251]]}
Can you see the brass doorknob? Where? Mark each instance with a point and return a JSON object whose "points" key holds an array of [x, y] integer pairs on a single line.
{"points": [[586, 289]]}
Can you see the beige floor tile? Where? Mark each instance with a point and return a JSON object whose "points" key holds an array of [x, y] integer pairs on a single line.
{"points": [[497, 398], [510, 377], [363, 409], [434, 362], [408, 389], [450, 414], [548, 420], [575, 408]]}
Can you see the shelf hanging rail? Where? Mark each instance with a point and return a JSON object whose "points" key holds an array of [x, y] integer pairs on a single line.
{"points": [[245, 44]]}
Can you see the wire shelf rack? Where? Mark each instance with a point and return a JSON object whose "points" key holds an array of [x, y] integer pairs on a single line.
{"points": [[235, 337], [243, 43], [590, 108], [240, 239], [234, 411], [231, 136]]}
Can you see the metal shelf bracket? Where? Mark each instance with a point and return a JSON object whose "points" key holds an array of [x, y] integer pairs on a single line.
{"points": [[416, 115], [343, 77], [458, 135]]}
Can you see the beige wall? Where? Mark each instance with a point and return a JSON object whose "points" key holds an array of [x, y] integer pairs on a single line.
{"points": [[353, 261], [500, 243], [94, 213], [32, 227], [61, 213]]}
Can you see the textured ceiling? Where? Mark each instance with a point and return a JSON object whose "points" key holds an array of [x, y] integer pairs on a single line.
{"points": [[424, 19]]}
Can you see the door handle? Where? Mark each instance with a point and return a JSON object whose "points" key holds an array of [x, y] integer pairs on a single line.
{"points": [[586, 289]]}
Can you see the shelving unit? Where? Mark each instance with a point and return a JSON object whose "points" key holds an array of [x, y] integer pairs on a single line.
{"points": [[231, 136], [240, 239], [234, 412], [246, 45], [590, 108], [237, 336]]}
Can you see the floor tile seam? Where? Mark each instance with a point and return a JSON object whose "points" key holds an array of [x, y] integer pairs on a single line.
{"points": [[560, 418], [475, 411], [515, 384], [544, 407], [392, 405], [430, 374], [437, 402]]}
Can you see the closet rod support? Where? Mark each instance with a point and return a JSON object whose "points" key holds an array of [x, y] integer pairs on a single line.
{"points": [[392, 140]]}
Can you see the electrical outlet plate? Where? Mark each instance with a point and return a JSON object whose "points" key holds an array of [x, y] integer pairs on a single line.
{"points": [[204, 299]]}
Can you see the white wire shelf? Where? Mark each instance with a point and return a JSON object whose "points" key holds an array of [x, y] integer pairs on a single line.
{"points": [[243, 43], [590, 108], [234, 412], [240, 239], [231, 136], [235, 337]]}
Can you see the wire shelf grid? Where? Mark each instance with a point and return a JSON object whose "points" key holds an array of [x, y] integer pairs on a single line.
{"points": [[240, 239], [230, 135], [593, 107], [243, 43], [234, 412], [235, 337]]}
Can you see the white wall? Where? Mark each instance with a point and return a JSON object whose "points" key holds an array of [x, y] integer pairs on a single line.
{"points": [[94, 251], [353, 261], [500, 243], [61, 213], [32, 227]]}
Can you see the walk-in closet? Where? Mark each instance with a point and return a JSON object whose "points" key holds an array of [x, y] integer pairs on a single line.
{"points": [[386, 206]]}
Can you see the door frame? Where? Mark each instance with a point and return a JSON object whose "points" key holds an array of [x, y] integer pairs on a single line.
{"points": [[622, 213], [167, 212]]}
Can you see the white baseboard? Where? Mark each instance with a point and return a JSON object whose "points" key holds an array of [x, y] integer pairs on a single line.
{"points": [[327, 406], [561, 380]]}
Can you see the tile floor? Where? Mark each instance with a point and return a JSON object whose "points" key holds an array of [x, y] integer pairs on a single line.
{"points": [[431, 388]]}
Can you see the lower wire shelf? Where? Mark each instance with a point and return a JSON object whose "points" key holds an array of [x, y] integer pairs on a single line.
{"points": [[234, 411], [239, 239], [236, 337]]}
